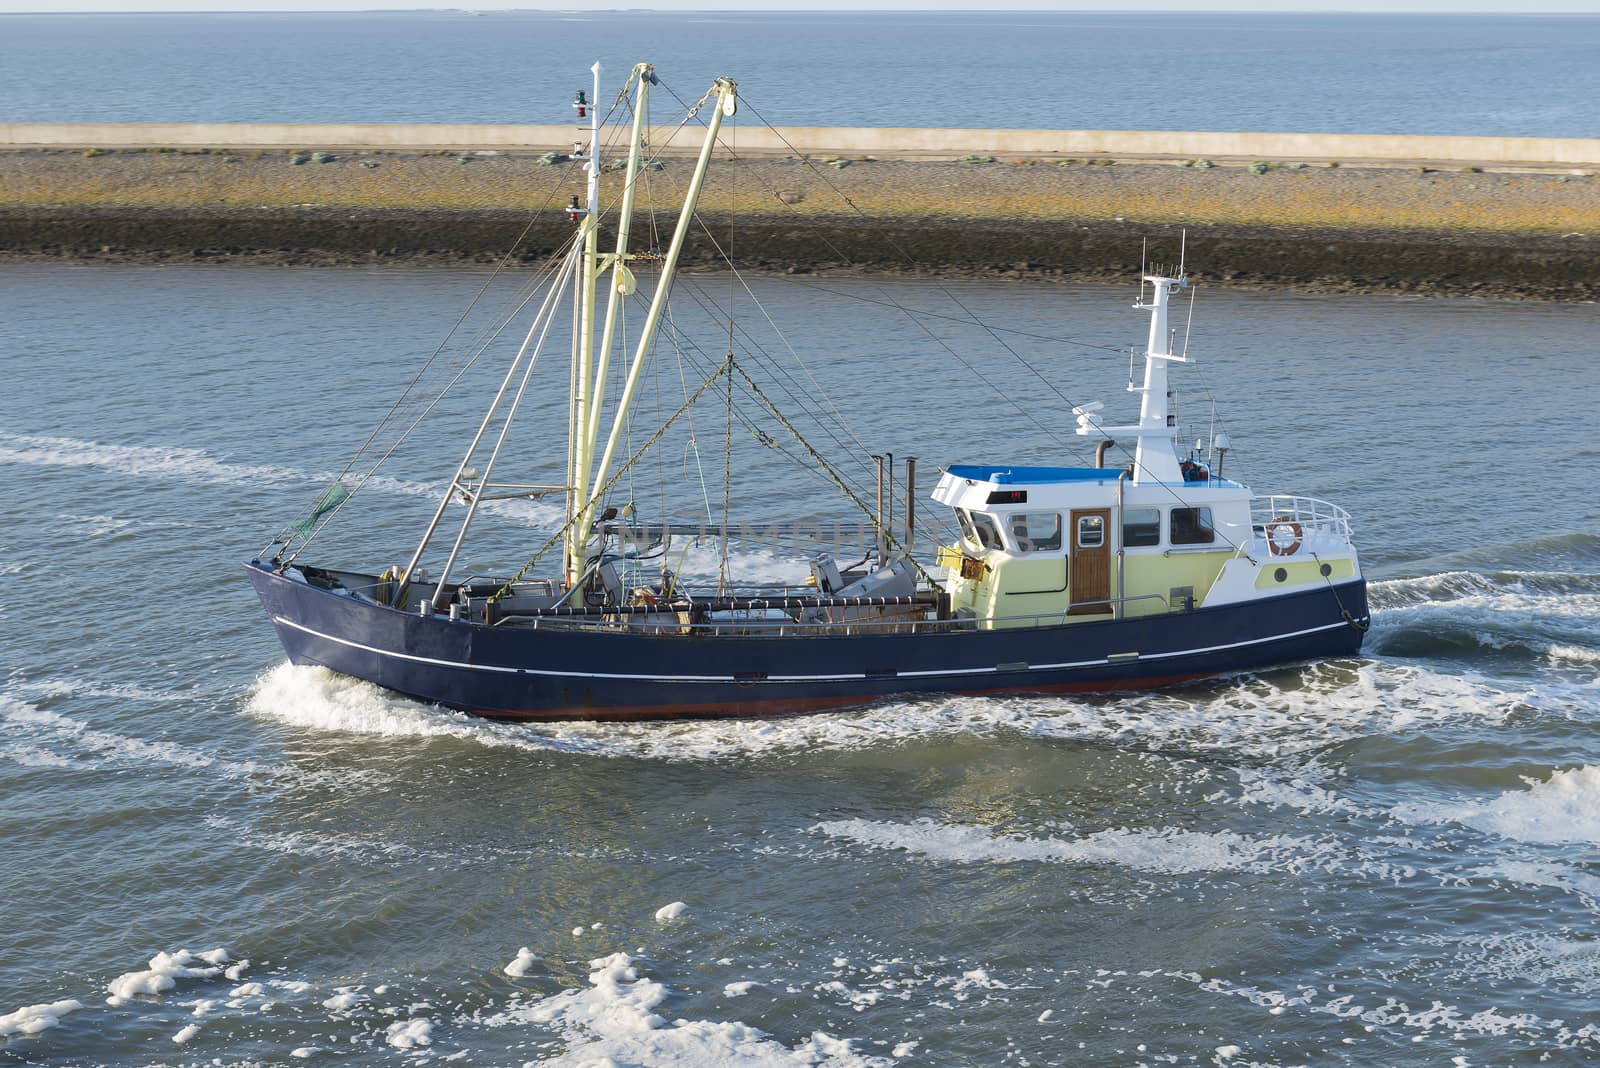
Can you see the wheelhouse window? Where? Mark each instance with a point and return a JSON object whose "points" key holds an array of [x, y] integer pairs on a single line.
{"points": [[1192, 526], [987, 531], [965, 522], [1035, 532], [1091, 531], [1141, 527]]}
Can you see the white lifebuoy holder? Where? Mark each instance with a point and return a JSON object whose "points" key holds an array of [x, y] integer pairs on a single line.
{"points": [[1280, 546]]}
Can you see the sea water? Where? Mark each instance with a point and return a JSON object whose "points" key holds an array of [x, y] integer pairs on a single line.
{"points": [[1486, 75], [212, 856]]}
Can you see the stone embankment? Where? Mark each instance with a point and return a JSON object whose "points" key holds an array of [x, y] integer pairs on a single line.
{"points": [[1439, 215]]}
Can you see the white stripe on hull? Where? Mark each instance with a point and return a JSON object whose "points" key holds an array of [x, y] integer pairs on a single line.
{"points": [[852, 677]]}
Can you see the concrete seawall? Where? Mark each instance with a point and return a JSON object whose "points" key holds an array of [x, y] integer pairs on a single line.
{"points": [[1481, 216], [887, 143]]}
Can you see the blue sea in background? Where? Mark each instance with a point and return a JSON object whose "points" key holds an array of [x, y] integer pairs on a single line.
{"points": [[1491, 75]]}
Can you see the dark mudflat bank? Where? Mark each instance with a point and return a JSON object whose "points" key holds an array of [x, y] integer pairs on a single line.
{"points": [[1529, 236]]}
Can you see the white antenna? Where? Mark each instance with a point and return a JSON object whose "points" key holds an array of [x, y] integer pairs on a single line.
{"points": [[1189, 324], [1211, 437], [1144, 248], [1183, 250]]}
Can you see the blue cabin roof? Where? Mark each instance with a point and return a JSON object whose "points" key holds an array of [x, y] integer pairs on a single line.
{"points": [[1014, 476]]}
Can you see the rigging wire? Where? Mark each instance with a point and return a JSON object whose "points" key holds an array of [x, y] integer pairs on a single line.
{"points": [[1132, 457], [549, 269]]}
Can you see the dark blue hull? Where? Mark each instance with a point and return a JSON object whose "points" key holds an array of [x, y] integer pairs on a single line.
{"points": [[564, 673]]}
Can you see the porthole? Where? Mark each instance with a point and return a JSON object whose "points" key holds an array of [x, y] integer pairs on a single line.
{"points": [[1282, 574], [1327, 569]]}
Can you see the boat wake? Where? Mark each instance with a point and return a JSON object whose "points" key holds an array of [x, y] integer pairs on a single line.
{"points": [[180, 464], [1565, 808], [1291, 710], [1547, 616]]}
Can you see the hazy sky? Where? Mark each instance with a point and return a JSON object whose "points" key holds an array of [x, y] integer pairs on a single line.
{"points": [[1438, 6]]}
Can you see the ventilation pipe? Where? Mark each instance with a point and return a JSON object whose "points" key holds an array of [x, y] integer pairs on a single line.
{"points": [[911, 502]]}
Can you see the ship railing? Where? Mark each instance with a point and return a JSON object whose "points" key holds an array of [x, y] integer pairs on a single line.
{"points": [[670, 623], [1302, 521]]}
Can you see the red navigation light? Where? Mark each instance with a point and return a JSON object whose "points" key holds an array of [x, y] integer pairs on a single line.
{"points": [[582, 104]]}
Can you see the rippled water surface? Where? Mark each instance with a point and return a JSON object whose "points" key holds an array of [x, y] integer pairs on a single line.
{"points": [[1393, 859], [1481, 75]]}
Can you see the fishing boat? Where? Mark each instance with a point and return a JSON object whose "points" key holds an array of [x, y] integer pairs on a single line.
{"points": [[1143, 572]]}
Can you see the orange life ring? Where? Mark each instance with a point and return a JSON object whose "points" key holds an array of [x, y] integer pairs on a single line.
{"points": [[1274, 546]]}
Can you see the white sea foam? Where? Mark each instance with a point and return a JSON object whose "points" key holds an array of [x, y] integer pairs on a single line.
{"points": [[99, 526], [186, 1033], [1563, 808], [519, 967], [346, 999], [1542, 612], [667, 913], [1390, 1013], [32, 1019], [1542, 959], [318, 843], [410, 1034], [164, 971], [1279, 789], [108, 748], [614, 1021], [90, 688], [32, 756], [1279, 713], [1162, 850], [1303, 709], [139, 461], [1552, 874]]}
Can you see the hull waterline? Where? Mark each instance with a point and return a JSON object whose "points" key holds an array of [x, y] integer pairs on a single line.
{"points": [[565, 673]]}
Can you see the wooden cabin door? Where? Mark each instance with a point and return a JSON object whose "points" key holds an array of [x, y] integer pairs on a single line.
{"points": [[1091, 562]]}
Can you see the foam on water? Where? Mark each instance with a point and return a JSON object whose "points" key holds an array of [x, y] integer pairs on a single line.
{"points": [[319, 843], [1551, 874], [1537, 957], [1554, 615], [1306, 709], [59, 687], [33, 1019], [163, 972], [1563, 808], [614, 1020], [139, 461], [178, 463], [1390, 1014], [1164, 850], [109, 749], [1284, 789], [1288, 711]]}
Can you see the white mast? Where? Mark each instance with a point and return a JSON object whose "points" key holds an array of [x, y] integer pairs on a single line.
{"points": [[1156, 457], [583, 343], [622, 283], [725, 93]]}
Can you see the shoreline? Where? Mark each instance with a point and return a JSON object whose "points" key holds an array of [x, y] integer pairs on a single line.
{"points": [[1321, 229]]}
